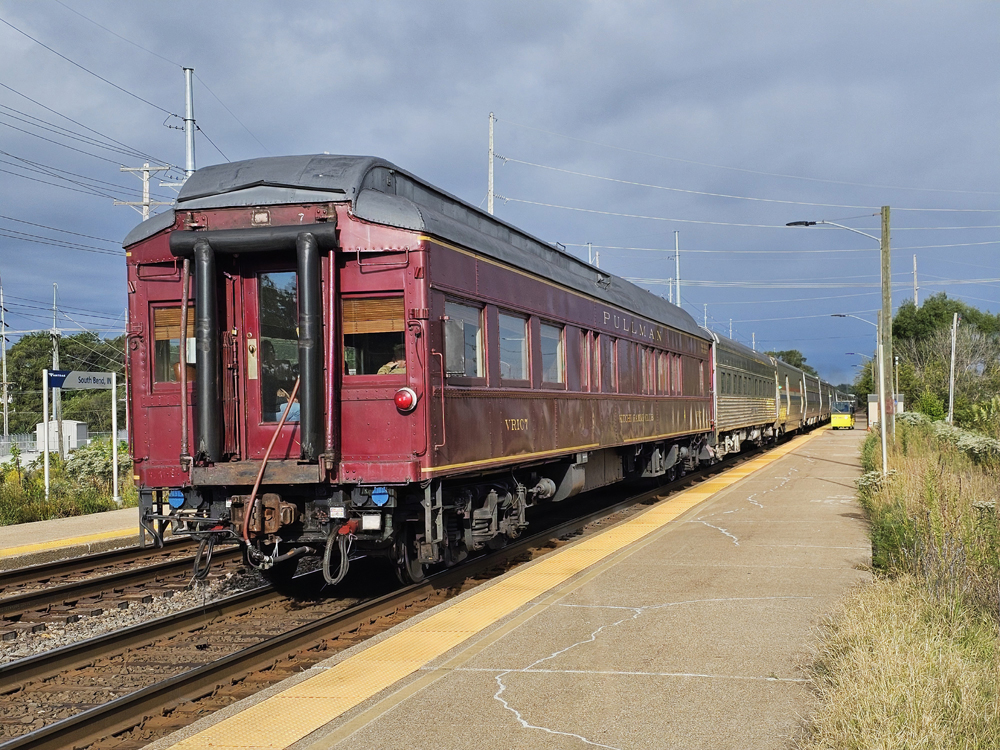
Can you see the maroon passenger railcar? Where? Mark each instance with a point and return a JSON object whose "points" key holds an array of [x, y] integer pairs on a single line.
{"points": [[330, 356]]}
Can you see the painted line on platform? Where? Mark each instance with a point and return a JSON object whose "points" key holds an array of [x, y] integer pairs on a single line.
{"points": [[289, 716], [77, 541]]}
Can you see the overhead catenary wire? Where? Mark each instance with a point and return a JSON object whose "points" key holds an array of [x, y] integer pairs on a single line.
{"points": [[601, 212], [172, 62], [55, 229], [743, 169], [56, 172], [138, 152], [87, 70], [633, 183]]}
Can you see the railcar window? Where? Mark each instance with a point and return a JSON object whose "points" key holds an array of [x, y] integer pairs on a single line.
{"points": [[513, 347], [595, 362], [167, 343], [279, 343], [584, 361], [675, 374], [662, 375], [374, 336], [701, 378], [609, 369], [553, 369], [463, 335]]}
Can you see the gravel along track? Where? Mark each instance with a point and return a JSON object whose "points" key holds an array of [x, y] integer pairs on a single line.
{"points": [[52, 607]]}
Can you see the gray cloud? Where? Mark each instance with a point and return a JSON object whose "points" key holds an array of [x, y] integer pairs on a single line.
{"points": [[852, 95]]}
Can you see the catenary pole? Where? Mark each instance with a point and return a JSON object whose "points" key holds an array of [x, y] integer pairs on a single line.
{"points": [[3, 341], [677, 267], [887, 310], [916, 302], [189, 124], [56, 392], [114, 437], [45, 427], [880, 353], [489, 193], [951, 377]]}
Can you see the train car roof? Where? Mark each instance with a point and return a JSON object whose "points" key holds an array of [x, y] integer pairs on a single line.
{"points": [[382, 193], [738, 348]]}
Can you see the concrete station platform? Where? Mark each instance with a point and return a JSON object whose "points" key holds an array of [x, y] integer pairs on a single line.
{"points": [[687, 626], [42, 541]]}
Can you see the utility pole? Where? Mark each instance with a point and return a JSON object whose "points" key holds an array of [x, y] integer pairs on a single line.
{"points": [[951, 379], [189, 126], [706, 315], [730, 328], [597, 258], [670, 291], [6, 392], [677, 266], [590, 250], [56, 392], [887, 309], [489, 194], [146, 170], [753, 341], [916, 302]]}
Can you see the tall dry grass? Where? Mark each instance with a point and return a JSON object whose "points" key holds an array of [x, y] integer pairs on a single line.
{"points": [[913, 660]]}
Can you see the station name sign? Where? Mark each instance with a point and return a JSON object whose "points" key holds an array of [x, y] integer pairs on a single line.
{"points": [[629, 324], [78, 380]]}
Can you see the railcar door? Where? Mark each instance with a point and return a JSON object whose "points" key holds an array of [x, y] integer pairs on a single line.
{"points": [[270, 345]]}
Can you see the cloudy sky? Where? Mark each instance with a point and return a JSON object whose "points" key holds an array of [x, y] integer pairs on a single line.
{"points": [[619, 123]]}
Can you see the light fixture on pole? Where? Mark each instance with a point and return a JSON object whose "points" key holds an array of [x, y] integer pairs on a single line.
{"points": [[881, 380], [885, 332]]}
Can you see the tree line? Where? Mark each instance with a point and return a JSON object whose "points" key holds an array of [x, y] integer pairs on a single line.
{"points": [[921, 339], [85, 351]]}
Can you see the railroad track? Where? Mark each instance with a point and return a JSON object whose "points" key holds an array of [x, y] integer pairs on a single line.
{"points": [[61, 592], [201, 684]]}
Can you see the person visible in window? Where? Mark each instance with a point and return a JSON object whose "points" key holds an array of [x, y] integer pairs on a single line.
{"points": [[397, 365], [276, 379]]}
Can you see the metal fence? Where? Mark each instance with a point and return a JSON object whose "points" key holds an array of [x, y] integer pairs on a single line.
{"points": [[25, 441]]}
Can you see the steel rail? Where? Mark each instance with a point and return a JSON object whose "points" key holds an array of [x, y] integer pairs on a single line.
{"points": [[130, 710], [83, 563], [89, 586]]}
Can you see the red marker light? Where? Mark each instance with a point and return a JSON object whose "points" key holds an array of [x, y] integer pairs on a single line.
{"points": [[406, 399]]}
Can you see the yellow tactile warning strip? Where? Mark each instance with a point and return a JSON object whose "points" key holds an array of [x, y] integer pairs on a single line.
{"points": [[303, 708], [76, 541]]}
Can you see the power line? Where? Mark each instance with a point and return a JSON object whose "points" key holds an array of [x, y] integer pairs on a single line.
{"points": [[747, 171], [506, 159], [200, 130], [61, 131], [80, 124], [39, 240], [670, 250], [50, 171], [507, 199], [55, 229], [172, 62], [86, 70]]}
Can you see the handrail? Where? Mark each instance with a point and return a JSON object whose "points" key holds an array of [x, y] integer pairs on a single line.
{"points": [[444, 434]]}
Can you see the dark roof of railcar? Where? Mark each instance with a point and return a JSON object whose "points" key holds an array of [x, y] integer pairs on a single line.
{"points": [[383, 193]]}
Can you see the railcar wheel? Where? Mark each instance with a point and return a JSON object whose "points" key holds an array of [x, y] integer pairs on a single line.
{"points": [[408, 567]]}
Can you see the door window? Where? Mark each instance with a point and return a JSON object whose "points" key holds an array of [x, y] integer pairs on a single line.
{"points": [[279, 344], [374, 336], [167, 344]]}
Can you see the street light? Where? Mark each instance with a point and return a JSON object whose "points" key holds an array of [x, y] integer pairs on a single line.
{"points": [[881, 380], [886, 293], [858, 354]]}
